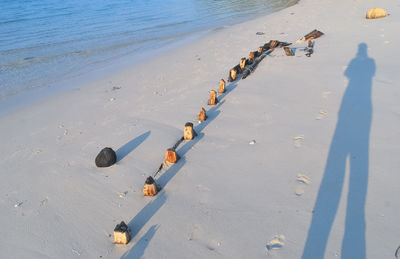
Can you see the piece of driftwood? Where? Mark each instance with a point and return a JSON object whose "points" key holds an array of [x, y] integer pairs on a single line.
{"points": [[222, 86], [310, 48], [213, 98], [309, 52], [171, 156], [275, 44], [375, 13], [189, 133], [282, 44], [232, 74], [251, 68], [238, 69], [242, 63], [312, 35], [151, 188], [288, 51], [260, 50], [122, 234], [202, 116], [250, 60]]}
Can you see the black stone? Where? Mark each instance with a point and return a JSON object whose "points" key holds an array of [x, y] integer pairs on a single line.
{"points": [[106, 157], [121, 227], [150, 180]]}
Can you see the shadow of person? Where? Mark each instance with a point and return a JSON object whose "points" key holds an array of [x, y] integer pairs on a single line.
{"points": [[350, 142], [131, 145]]}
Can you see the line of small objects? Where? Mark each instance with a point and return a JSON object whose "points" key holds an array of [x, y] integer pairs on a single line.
{"points": [[245, 67]]}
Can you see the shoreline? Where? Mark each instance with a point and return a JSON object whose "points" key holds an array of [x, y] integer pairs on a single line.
{"points": [[101, 71], [95, 74], [252, 176]]}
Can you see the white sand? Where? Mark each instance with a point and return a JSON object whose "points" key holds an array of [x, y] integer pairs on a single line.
{"points": [[226, 198]]}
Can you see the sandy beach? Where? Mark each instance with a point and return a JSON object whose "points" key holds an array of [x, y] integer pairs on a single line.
{"points": [[299, 160]]}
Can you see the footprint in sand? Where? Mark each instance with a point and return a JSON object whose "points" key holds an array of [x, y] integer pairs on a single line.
{"points": [[321, 115], [202, 188], [298, 140], [276, 243], [302, 182], [196, 230], [326, 94], [44, 201]]}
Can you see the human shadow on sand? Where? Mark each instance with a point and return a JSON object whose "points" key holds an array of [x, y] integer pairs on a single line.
{"points": [[350, 142], [131, 145]]}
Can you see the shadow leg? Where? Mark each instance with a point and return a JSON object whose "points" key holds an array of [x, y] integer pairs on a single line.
{"points": [[353, 245], [327, 202]]}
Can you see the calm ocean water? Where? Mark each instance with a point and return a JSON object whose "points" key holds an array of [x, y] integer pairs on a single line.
{"points": [[43, 42]]}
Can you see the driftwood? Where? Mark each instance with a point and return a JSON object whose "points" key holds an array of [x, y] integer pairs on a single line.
{"points": [[260, 50], [151, 188], [242, 63], [232, 74], [222, 85], [122, 234], [202, 116], [275, 44], [312, 35], [288, 51], [171, 156], [213, 98], [247, 70], [189, 133], [310, 49], [250, 60]]}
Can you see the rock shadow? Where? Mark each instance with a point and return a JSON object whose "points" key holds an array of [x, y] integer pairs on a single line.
{"points": [[131, 145], [139, 248]]}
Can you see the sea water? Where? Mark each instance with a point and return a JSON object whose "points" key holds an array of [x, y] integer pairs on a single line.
{"points": [[43, 42]]}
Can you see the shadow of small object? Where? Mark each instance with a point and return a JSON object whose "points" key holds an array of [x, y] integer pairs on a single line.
{"points": [[137, 223], [397, 253], [131, 145], [273, 246], [138, 250], [174, 169], [229, 88], [145, 214]]}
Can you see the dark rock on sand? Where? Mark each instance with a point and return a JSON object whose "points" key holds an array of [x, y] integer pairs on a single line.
{"points": [[106, 157]]}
